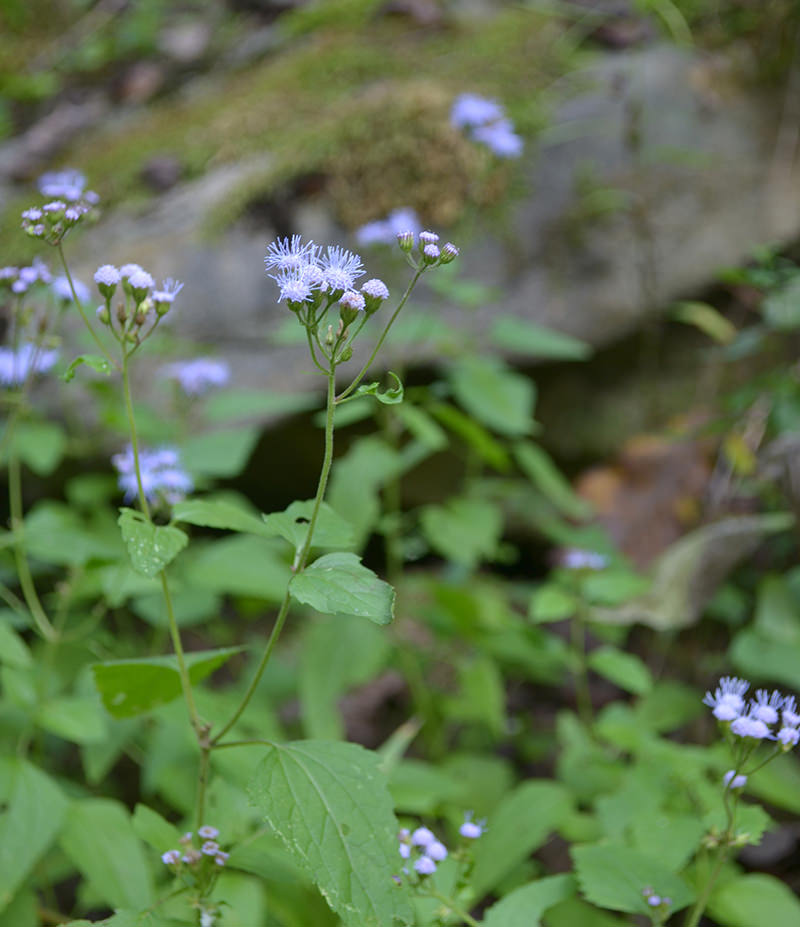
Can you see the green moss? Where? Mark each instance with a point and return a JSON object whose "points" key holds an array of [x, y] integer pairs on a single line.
{"points": [[367, 108]]}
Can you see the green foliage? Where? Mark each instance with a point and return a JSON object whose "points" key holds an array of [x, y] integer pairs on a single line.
{"points": [[329, 805], [150, 547], [338, 584]]}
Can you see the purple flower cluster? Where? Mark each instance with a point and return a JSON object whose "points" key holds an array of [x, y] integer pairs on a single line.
{"points": [[307, 274], [190, 856], [485, 121], [197, 376], [756, 717], [20, 279], [654, 900], [69, 203], [161, 472], [427, 850], [63, 290], [574, 558], [17, 364], [385, 231]]}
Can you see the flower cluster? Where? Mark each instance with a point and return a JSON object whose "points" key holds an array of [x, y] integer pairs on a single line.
{"points": [[573, 558], [385, 231], [17, 364], [425, 848], [62, 289], [144, 301], [20, 279], [768, 716], [654, 900], [190, 856], [197, 376], [485, 121], [161, 473], [70, 202]]}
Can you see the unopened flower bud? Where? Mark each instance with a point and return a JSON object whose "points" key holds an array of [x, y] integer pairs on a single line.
{"points": [[140, 283], [405, 240], [449, 253], [330, 338], [428, 238], [103, 315], [107, 279], [346, 354], [351, 303], [375, 292], [431, 254]]}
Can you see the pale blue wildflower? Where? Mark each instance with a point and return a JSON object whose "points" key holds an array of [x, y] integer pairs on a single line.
{"points": [[196, 377], [425, 866], [500, 138], [63, 291], [422, 837], [790, 715], [732, 780], [140, 282], [470, 109], [405, 850], [210, 848], [166, 295], [727, 701], [766, 705], [171, 857], [68, 184], [748, 726], [471, 829], [341, 268], [127, 269], [162, 474], [437, 851], [27, 360], [107, 278], [290, 254], [788, 736], [353, 301], [221, 858], [385, 231], [207, 832], [375, 289]]}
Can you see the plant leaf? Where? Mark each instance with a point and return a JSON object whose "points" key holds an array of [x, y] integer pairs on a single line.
{"points": [[495, 395], [523, 337], [757, 898], [216, 513], [625, 670], [98, 363], [331, 530], [329, 804], [613, 877], [28, 826], [524, 906], [150, 547], [338, 584], [133, 687], [387, 397]]}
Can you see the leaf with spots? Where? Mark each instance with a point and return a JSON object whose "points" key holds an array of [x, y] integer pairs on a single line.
{"points": [[150, 547], [329, 804]]}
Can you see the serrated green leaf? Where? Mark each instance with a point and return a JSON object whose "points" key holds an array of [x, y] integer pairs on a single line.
{"points": [[133, 687], [331, 530], [28, 826], [524, 906], [387, 397], [150, 547], [329, 804], [465, 531], [537, 465], [752, 899], [519, 825], [495, 395], [613, 876], [95, 361], [625, 670], [338, 584], [216, 513], [523, 337], [98, 838]]}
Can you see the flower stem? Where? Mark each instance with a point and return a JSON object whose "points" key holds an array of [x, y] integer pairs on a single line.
{"points": [[299, 563], [362, 373], [454, 909], [693, 917], [92, 332]]}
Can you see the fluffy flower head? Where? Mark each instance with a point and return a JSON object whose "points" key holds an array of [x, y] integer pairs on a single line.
{"points": [[162, 474], [196, 377], [27, 360]]}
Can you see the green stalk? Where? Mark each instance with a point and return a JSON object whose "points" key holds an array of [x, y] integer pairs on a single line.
{"points": [[299, 563], [454, 909], [362, 373], [186, 683], [583, 695], [693, 918]]}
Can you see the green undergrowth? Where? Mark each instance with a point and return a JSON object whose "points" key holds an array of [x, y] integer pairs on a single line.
{"points": [[367, 108]]}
